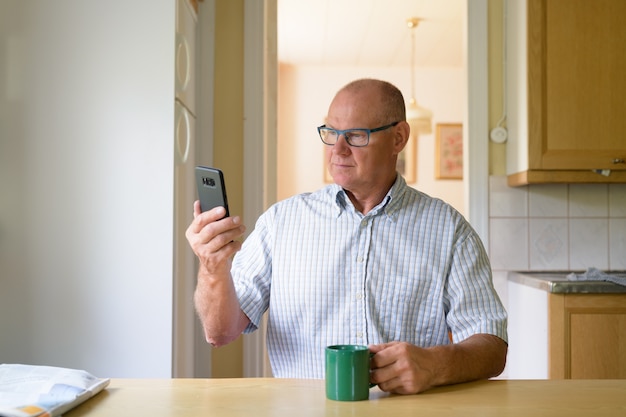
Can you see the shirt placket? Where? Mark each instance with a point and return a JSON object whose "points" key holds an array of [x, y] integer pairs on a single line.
{"points": [[359, 319]]}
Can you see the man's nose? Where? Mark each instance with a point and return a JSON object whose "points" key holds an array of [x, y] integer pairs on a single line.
{"points": [[341, 145]]}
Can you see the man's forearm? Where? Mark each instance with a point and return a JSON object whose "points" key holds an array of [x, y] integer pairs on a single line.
{"points": [[480, 356], [217, 306]]}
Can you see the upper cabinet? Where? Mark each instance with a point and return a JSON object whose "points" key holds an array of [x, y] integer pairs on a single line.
{"points": [[566, 91]]}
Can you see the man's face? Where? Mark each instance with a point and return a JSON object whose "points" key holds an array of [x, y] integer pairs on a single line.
{"points": [[362, 169]]}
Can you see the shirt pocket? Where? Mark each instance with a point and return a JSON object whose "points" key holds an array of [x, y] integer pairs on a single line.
{"points": [[407, 310]]}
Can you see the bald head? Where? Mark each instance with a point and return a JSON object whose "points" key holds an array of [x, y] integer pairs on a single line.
{"points": [[389, 104]]}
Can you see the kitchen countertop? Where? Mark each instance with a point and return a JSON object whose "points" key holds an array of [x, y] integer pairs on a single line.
{"points": [[556, 282]]}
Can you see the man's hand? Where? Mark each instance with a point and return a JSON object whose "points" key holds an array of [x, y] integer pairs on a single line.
{"points": [[403, 368], [212, 238]]}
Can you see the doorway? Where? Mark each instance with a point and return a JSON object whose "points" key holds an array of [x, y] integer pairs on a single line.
{"points": [[261, 21]]}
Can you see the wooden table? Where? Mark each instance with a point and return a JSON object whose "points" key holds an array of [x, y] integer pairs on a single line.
{"points": [[259, 397]]}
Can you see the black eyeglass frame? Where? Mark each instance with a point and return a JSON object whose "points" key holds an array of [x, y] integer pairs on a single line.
{"points": [[347, 137]]}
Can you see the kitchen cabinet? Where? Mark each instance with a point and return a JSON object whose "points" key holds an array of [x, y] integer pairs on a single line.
{"points": [[560, 329], [587, 336], [566, 89]]}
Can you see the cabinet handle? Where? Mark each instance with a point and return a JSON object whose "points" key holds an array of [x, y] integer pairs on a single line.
{"points": [[618, 160]]}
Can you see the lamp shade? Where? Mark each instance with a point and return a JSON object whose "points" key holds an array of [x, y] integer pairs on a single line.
{"points": [[419, 118]]}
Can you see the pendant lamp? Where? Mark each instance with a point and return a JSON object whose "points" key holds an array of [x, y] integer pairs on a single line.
{"points": [[418, 117]]}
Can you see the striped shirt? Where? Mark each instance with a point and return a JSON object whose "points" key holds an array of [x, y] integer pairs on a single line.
{"points": [[410, 270]]}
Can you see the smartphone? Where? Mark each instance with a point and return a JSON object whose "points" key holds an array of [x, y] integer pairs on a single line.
{"points": [[211, 188]]}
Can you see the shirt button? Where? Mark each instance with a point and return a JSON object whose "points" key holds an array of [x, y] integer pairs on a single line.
{"points": [[359, 259], [363, 223], [359, 296], [359, 335]]}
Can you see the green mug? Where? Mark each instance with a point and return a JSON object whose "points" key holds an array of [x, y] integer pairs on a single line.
{"points": [[347, 372]]}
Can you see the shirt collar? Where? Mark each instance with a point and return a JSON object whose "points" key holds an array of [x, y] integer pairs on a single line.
{"points": [[390, 204], [394, 197]]}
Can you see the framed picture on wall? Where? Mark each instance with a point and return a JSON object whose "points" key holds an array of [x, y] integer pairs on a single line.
{"points": [[449, 151], [405, 165]]}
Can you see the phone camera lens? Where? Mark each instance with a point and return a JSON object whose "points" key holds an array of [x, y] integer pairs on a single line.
{"points": [[208, 182]]}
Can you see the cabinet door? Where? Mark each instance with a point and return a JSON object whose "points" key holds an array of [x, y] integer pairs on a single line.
{"points": [[588, 336], [577, 84], [597, 344]]}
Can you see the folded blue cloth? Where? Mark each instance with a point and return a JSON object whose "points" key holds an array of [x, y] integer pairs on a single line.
{"points": [[594, 274]]}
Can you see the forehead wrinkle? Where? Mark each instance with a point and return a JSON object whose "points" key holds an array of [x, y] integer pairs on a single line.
{"points": [[353, 112]]}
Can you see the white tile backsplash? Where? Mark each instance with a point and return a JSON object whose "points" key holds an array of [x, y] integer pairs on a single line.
{"points": [[511, 252], [617, 200], [617, 244], [549, 244], [589, 243], [549, 200], [505, 201], [588, 200], [555, 227]]}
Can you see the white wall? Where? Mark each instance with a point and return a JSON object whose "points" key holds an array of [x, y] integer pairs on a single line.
{"points": [[305, 94], [86, 184]]}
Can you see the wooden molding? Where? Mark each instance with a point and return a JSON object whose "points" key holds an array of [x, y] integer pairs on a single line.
{"points": [[564, 177]]}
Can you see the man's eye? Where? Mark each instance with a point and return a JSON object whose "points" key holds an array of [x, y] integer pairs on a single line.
{"points": [[357, 136]]}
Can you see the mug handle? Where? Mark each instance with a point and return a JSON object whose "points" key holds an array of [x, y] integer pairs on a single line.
{"points": [[371, 356]]}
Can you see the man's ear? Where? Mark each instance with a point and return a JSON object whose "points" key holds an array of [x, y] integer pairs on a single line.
{"points": [[402, 136]]}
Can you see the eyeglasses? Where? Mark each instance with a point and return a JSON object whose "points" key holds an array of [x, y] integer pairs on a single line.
{"points": [[354, 137]]}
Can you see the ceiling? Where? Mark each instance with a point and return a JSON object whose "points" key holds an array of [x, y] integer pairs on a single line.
{"points": [[370, 32]]}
